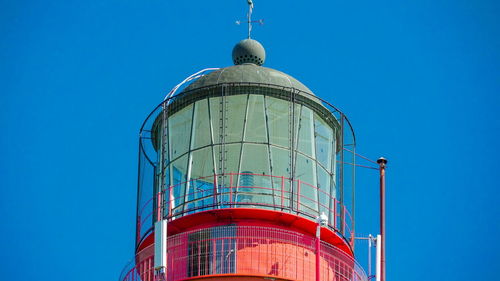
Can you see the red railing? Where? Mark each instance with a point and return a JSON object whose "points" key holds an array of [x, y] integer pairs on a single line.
{"points": [[248, 251], [141, 268], [237, 190]]}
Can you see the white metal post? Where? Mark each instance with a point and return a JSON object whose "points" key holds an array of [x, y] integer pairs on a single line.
{"points": [[160, 246], [370, 237], [379, 258], [322, 220]]}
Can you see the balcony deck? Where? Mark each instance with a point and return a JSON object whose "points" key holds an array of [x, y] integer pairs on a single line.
{"points": [[245, 251]]}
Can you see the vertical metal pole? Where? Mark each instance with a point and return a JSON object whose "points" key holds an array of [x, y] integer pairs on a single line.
{"points": [[353, 196], [382, 163], [282, 192], [335, 214], [215, 191], [160, 227], [170, 202], [369, 256], [231, 189], [298, 196], [159, 204], [322, 220], [160, 249], [341, 174], [318, 251], [343, 221], [378, 266]]}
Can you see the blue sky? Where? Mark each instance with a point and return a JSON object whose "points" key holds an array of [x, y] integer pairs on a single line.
{"points": [[419, 80]]}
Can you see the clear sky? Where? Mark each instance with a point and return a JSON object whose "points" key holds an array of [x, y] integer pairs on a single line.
{"points": [[419, 80]]}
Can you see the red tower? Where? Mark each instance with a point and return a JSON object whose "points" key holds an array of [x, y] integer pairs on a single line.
{"points": [[243, 175]]}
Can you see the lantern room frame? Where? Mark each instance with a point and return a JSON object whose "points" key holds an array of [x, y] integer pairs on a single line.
{"points": [[225, 187]]}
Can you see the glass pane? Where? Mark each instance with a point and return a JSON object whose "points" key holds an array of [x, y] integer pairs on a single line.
{"points": [[202, 163], [255, 185], [228, 162], [278, 116], [180, 131], [232, 154], [160, 141], [324, 192], [324, 142], [200, 187], [306, 173], [219, 159], [235, 109], [227, 158], [215, 118], [333, 192], [178, 173], [296, 124], [333, 199], [306, 132], [281, 161], [281, 175], [201, 126], [166, 184], [256, 120]]}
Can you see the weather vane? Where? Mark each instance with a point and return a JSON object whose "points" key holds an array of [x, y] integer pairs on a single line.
{"points": [[249, 18]]}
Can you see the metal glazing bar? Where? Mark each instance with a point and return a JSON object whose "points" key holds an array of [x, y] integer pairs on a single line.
{"points": [[212, 141], [353, 207], [341, 173], [266, 120]]}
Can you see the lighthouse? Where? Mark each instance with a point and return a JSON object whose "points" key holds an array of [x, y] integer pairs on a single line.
{"points": [[245, 174]]}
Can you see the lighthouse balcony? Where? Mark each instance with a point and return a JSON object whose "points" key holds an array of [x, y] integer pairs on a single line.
{"points": [[248, 191], [245, 252]]}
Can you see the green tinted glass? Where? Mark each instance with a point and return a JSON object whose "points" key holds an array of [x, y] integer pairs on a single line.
{"points": [[201, 126], [256, 128], [235, 110], [324, 142], [278, 116], [306, 132], [306, 173], [180, 131]]}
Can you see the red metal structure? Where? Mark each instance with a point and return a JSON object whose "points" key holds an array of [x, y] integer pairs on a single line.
{"points": [[245, 174]]}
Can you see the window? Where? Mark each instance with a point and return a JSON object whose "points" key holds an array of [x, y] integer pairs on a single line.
{"points": [[212, 251]]}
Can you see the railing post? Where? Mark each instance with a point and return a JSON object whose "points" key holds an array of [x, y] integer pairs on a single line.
{"points": [[231, 189], [282, 192], [215, 190], [198, 271], [343, 220], [335, 214], [298, 196], [170, 201], [213, 269]]}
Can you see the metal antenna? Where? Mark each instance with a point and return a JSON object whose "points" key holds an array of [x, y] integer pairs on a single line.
{"points": [[249, 18]]}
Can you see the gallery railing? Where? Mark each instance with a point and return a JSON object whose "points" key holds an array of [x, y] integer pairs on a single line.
{"points": [[230, 191], [247, 251]]}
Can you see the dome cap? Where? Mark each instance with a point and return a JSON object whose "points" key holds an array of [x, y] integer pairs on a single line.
{"points": [[249, 51]]}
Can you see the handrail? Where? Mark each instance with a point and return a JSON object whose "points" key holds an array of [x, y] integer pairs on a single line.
{"points": [[278, 192], [246, 250]]}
